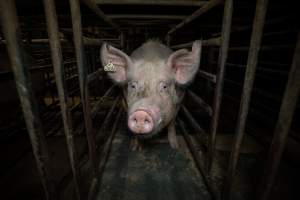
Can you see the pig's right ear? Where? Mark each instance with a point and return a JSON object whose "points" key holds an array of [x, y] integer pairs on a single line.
{"points": [[119, 59]]}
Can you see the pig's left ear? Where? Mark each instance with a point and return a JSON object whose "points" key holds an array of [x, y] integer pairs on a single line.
{"points": [[185, 63]]}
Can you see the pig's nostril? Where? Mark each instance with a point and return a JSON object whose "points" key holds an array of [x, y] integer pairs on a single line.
{"points": [[147, 121], [140, 122]]}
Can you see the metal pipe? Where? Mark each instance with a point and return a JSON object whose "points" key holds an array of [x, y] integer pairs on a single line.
{"points": [[208, 76], [104, 155], [56, 52], [153, 2], [256, 37], [192, 120], [93, 6], [99, 104], [197, 159], [283, 125], [28, 102], [82, 72], [225, 37], [200, 102], [206, 7], [208, 42], [143, 16]]}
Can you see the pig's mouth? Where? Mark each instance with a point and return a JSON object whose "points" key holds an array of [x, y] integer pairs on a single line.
{"points": [[143, 122]]}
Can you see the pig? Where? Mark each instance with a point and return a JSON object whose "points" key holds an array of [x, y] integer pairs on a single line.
{"points": [[154, 80]]}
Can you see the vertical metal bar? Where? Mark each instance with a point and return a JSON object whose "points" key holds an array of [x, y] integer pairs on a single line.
{"points": [[29, 105], [225, 37], [82, 73], [256, 37], [51, 18], [283, 125]]}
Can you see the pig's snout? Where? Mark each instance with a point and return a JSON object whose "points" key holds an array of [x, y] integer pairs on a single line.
{"points": [[140, 122]]}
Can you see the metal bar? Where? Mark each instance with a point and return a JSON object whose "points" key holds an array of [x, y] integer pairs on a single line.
{"points": [[208, 42], [99, 104], [82, 72], [107, 120], [200, 102], [265, 48], [92, 76], [143, 16], [206, 7], [93, 6], [225, 37], [56, 52], [256, 37], [208, 76], [104, 155], [283, 125], [192, 120], [196, 158], [153, 2], [28, 102]]}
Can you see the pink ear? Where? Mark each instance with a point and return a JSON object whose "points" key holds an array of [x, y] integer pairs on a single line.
{"points": [[119, 59], [185, 63]]}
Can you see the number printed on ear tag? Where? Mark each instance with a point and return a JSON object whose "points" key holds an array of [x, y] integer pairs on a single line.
{"points": [[110, 67]]}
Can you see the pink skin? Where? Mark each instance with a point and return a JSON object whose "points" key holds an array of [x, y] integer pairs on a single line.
{"points": [[144, 121]]}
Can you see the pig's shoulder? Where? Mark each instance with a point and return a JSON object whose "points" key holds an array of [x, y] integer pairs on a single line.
{"points": [[152, 49]]}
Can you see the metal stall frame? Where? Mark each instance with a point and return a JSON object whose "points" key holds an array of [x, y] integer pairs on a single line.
{"points": [[11, 32]]}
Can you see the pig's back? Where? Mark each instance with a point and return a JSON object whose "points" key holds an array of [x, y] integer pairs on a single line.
{"points": [[152, 50]]}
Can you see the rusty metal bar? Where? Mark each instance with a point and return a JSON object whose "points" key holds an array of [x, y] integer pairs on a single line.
{"points": [[29, 105], [209, 42], [206, 7], [56, 52], [200, 102], [143, 16], [282, 128], [265, 48], [82, 72], [197, 159], [153, 2], [225, 37], [209, 76], [256, 37], [93, 6]]}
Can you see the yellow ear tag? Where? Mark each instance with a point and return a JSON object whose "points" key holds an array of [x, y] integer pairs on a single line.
{"points": [[110, 67]]}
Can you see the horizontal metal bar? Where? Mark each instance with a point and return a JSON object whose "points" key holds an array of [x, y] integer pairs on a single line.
{"points": [[143, 16], [206, 7], [93, 6], [153, 2], [200, 102], [93, 76], [265, 48], [208, 42], [283, 125], [208, 76]]}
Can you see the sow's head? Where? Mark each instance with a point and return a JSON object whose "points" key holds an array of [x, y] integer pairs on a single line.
{"points": [[153, 76]]}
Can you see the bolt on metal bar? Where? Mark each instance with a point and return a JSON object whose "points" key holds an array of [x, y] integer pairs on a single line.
{"points": [[282, 128], [82, 72], [56, 52], [256, 37], [28, 102], [225, 37], [206, 7]]}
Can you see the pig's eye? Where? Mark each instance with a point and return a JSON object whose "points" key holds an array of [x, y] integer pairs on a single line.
{"points": [[132, 85], [163, 86]]}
